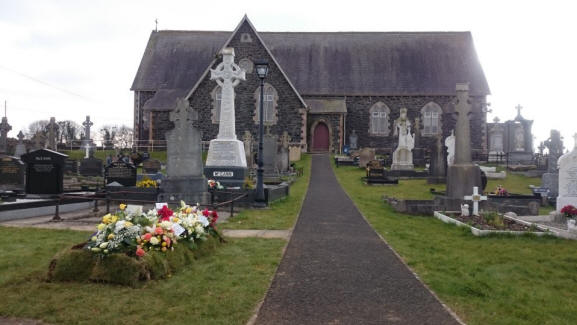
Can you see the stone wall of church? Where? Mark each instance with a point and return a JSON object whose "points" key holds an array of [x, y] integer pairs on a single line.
{"points": [[161, 123], [289, 118], [358, 118]]}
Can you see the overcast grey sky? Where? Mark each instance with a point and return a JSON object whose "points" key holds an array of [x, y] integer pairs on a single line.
{"points": [[70, 59]]}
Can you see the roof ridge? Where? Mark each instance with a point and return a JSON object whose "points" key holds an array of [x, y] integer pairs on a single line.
{"points": [[316, 32]]}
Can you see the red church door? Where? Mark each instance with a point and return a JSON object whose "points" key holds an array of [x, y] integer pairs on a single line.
{"points": [[321, 137]]}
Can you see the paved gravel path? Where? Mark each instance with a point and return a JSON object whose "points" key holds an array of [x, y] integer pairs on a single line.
{"points": [[337, 270]]}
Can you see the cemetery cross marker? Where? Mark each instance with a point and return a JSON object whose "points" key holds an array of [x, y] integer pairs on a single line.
{"points": [[476, 198]]}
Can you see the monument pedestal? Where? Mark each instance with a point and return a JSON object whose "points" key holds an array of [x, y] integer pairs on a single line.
{"points": [[226, 162], [551, 182], [191, 190], [461, 178], [402, 159]]}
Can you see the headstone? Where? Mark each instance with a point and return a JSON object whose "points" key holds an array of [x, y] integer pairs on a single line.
{"points": [[295, 153], [283, 153], [462, 175], [496, 138], [11, 173], [120, 172], [476, 198], [44, 171], [437, 169], [519, 139], [91, 167], [247, 141], [450, 144], [52, 126], [403, 155], [366, 155], [568, 178], [4, 129], [71, 166], [184, 173], [550, 179], [151, 166], [87, 143], [353, 139], [20, 146], [269, 154], [226, 159]]}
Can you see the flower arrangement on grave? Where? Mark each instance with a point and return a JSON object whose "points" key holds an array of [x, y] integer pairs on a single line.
{"points": [[135, 232], [569, 211], [214, 185], [147, 183], [501, 191]]}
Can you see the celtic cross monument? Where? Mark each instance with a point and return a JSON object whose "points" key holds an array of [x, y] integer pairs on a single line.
{"points": [[226, 160]]}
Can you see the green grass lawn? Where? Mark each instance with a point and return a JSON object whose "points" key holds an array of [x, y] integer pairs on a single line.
{"points": [[281, 214], [491, 280], [221, 288], [102, 154]]}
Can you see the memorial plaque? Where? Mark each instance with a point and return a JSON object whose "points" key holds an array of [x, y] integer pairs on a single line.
{"points": [[91, 167], [44, 171], [122, 173], [11, 173], [151, 166]]}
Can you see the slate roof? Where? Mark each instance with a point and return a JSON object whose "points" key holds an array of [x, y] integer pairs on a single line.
{"points": [[333, 64]]}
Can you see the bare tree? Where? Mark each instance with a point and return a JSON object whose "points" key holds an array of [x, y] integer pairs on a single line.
{"points": [[68, 131], [37, 126], [124, 137]]}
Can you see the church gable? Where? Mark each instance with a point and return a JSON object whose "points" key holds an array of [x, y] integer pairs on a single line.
{"points": [[286, 106]]}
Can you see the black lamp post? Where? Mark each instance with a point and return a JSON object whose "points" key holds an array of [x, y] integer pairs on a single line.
{"points": [[261, 67]]}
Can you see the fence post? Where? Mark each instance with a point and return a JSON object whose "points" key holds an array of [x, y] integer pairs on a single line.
{"points": [[231, 206], [107, 204], [95, 206], [57, 212]]}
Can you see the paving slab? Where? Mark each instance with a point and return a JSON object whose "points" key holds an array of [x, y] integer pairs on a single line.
{"points": [[337, 270], [282, 234]]}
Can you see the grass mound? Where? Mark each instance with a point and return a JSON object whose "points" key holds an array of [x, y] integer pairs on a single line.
{"points": [[76, 264]]}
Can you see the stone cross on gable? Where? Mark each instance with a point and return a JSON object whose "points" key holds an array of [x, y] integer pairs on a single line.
{"points": [[575, 143], [52, 133], [519, 108], [4, 129], [87, 124], [476, 198], [227, 75]]}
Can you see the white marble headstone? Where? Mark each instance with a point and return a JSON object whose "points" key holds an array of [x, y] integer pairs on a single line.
{"points": [[568, 178]]}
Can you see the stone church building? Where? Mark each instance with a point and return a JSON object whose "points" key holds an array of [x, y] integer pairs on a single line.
{"points": [[320, 86]]}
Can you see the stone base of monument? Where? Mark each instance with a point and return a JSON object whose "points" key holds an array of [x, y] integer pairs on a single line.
{"points": [[402, 159], [461, 178], [229, 176], [551, 181], [191, 190]]}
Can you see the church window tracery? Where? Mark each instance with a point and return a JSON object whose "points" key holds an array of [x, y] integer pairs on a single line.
{"points": [[379, 119], [431, 116], [270, 102], [216, 102]]}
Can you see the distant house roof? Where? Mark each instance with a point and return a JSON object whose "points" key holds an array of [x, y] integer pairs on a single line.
{"points": [[334, 64]]}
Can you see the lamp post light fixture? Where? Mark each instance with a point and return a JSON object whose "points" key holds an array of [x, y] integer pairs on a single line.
{"points": [[261, 67]]}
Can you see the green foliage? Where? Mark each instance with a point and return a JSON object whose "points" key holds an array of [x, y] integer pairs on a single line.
{"points": [[281, 214], [221, 288], [72, 265], [489, 280], [119, 269], [494, 219]]}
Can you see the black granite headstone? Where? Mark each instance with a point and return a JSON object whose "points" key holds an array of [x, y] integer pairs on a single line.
{"points": [[91, 167], [122, 173], [44, 171], [11, 173]]}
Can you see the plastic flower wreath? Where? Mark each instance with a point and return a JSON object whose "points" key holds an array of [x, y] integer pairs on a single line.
{"points": [[569, 211]]}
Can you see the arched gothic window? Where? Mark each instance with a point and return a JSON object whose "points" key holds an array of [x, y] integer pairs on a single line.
{"points": [[379, 119], [269, 104], [431, 117], [216, 102]]}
